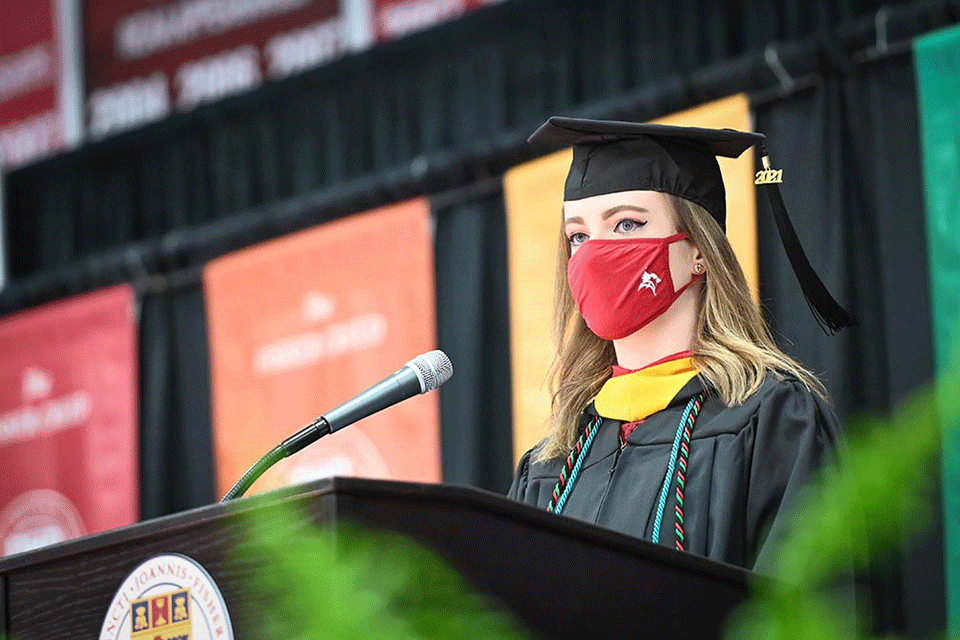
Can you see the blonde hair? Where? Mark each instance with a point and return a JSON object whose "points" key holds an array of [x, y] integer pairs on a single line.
{"points": [[732, 348]]}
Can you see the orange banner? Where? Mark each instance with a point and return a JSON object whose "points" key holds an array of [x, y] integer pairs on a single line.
{"points": [[534, 198], [303, 323]]}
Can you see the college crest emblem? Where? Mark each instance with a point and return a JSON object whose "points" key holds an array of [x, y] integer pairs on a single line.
{"points": [[165, 616], [167, 597]]}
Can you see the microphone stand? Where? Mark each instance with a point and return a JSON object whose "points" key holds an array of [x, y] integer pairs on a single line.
{"points": [[306, 436]]}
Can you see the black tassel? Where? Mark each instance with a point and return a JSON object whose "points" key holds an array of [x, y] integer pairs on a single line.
{"points": [[829, 315]]}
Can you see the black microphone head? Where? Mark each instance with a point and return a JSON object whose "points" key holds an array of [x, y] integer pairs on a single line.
{"points": [[432, 369]]}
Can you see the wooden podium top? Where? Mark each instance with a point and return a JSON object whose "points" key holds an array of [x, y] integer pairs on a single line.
{"points": [[613, 585]]}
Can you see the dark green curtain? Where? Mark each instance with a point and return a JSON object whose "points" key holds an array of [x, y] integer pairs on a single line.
{"points": [[473, 329], [176, 456], [464, 88]]}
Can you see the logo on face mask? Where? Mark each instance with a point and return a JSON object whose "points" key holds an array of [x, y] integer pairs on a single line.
{"points": [[649, 281]]}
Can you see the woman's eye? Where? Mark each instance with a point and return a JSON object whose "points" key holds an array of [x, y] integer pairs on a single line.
{"points": [[628, 225], [578, 238]]}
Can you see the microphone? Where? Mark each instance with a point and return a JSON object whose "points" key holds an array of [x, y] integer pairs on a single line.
{"points": [[424, 373]]}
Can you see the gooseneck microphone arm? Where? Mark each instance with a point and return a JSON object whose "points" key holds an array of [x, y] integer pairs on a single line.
{"points": [[274, 456], [308, 435], [424, 373]]}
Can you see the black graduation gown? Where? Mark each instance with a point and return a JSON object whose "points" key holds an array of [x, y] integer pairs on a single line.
{"points": [[746, 466]]}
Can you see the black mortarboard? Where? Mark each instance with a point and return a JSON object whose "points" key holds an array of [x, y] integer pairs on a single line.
{"points": [[610, 156]]}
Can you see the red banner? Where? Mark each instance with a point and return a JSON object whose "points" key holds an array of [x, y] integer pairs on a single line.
{"points": [[301, 324], [395, 18], [146, 59], [68, 420], [31, 123]]}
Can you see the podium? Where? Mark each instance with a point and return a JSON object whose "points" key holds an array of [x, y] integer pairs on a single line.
{"points": [[559, 577]]}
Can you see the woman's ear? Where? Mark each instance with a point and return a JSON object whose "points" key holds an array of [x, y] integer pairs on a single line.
{"points": [[699, 265]]}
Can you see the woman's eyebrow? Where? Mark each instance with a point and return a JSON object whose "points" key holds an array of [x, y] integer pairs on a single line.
{"points": [[621, 207], [609, 212]]}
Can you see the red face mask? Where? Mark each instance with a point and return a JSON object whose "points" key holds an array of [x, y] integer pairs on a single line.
{"points": [[622, 285]]}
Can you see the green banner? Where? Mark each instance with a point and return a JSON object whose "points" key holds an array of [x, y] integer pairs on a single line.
{"points": [[937, 58]]}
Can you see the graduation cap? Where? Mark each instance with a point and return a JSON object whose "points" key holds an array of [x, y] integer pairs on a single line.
{"points": [[611, 156]]}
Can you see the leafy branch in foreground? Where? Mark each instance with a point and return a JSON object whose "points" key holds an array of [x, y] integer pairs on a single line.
{"points": [[881, 490], [345, 582]]}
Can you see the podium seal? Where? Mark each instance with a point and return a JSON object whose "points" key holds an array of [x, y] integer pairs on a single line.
{"points": [[167, 597]]}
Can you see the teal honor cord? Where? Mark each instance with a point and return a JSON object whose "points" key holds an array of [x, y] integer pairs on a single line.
{"points": [[677, 465]]}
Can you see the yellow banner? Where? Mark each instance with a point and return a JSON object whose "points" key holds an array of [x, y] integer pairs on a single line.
{"points": [[534, 199]]}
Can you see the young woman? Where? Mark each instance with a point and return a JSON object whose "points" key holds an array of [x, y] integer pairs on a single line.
{"points": [[675, 417]]}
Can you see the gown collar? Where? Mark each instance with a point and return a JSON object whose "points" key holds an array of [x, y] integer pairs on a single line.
{"points": [[654, 431]]}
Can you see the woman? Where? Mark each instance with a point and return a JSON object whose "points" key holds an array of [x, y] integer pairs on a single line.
{"points": [[675, 417]]}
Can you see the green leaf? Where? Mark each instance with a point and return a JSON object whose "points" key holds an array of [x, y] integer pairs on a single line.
{"points": [[348, 582]]}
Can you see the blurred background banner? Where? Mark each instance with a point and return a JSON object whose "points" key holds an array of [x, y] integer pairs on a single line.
{"points": [[147, 59], [303, 323], [534, 196], [937, 58], [31, 119], [394, 18], [68, 420]]}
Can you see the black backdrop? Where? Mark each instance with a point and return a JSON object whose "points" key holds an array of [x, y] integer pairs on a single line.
{"points": [[465, 90], [855, 135], [175, 447], [472, 324], [444, 114]]}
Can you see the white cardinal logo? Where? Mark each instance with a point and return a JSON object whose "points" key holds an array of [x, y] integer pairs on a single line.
{"points": [[649, 281]]}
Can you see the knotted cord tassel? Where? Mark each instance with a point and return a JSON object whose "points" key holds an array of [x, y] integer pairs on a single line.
{"points": [[829, 314]]}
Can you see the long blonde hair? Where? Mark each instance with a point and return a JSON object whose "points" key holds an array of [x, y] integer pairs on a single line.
{"points": [[732, 349]]}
